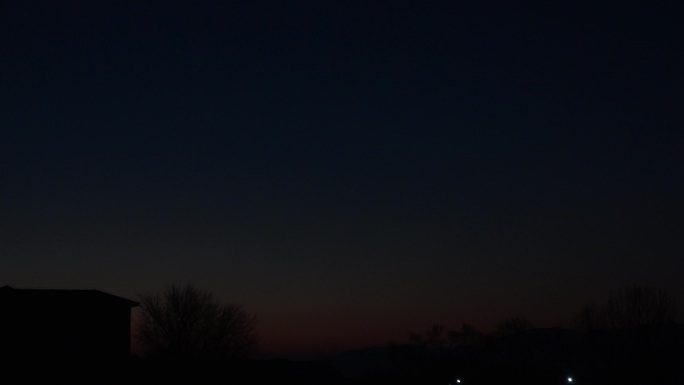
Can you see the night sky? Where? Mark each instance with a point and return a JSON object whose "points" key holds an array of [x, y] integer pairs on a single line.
{"points": [[348, 171]]}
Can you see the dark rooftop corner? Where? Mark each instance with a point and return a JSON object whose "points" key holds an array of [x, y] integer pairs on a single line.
{"points": [[64, 296], [65, 332]]}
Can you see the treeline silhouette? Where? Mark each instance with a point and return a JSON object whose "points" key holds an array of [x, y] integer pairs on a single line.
{"points": [[631, 338], [188, 336]]}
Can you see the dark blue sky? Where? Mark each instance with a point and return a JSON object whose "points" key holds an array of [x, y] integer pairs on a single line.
{"points": [[348, 171]]}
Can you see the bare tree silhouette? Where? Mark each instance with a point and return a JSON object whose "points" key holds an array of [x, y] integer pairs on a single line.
{"points": [[633, 337], [636, 306], [185, 322]]}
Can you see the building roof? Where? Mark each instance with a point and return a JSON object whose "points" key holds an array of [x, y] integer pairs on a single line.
{"points": [[64, 296]]}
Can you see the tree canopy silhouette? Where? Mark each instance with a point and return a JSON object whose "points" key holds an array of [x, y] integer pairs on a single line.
{"points": [[513, 326], [185, 322]]}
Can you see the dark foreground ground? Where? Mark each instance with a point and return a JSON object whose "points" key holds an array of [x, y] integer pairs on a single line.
{"points": [[537, 356], [143, 372]]}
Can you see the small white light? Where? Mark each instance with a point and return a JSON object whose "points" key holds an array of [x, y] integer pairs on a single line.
{"points": [[458, 381], [569, 379]]}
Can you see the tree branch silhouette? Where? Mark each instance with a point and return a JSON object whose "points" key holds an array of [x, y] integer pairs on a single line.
{"points": [[185, 322]]}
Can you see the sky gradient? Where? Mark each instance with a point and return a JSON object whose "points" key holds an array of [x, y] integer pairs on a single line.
{"points": [[347, 171]]}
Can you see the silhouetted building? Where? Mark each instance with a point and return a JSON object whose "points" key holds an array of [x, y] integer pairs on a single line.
{"points": [[75, 326]]}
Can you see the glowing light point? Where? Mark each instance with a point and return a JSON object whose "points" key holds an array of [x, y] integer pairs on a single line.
{"points": [[569, 379]]}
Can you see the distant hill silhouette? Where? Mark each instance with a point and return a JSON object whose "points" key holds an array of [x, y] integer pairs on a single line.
{"points": [[365, 362], [534, 356]]}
